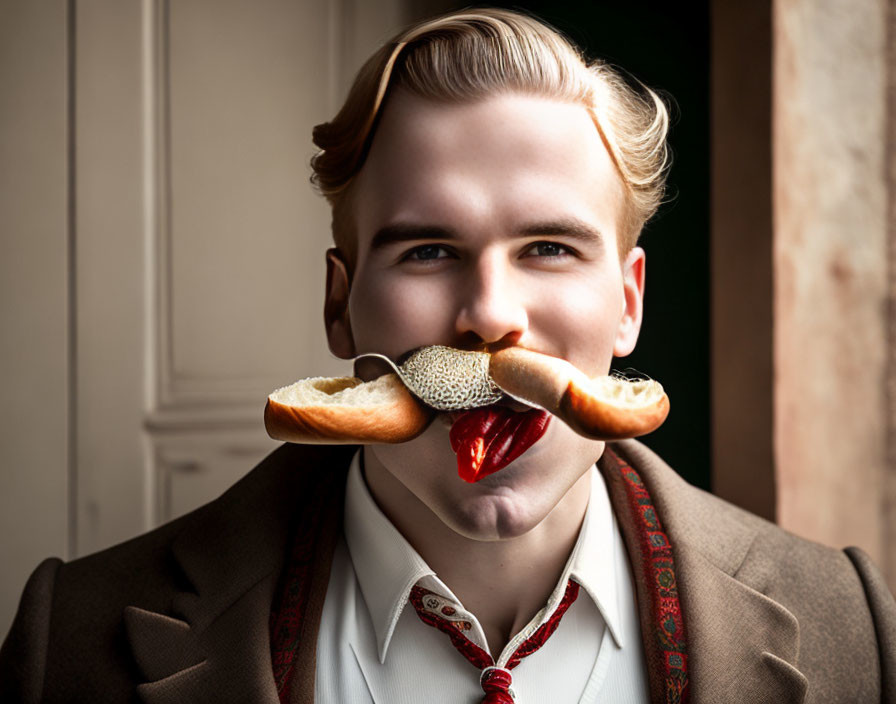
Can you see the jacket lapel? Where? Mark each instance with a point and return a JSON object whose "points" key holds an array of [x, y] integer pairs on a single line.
{"points": [[214, 645], [742, 646], [229, 660]]}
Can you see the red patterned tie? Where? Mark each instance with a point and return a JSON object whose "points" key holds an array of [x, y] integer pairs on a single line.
{"points": [[495, 681]]}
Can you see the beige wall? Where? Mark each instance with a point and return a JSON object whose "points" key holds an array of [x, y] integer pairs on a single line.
{"points": [[34, 292]]}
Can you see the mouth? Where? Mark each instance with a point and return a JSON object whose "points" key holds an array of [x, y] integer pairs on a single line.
{"points": [[489, 438]]}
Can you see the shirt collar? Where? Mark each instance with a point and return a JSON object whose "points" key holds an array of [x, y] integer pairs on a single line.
{"points": [[387, 566], [598, 556], [385, 563]]}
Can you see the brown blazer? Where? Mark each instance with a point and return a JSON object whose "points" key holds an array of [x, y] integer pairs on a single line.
{"points": [[181, 614]]}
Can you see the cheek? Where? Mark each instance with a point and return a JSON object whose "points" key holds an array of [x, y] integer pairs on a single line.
{"points": [[581, 321], [396, 315]]}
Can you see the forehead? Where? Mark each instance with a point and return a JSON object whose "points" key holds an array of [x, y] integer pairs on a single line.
{"points": [[503, 158]]}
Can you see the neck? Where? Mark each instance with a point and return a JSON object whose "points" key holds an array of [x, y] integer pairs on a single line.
{"points": [[503, 582]]}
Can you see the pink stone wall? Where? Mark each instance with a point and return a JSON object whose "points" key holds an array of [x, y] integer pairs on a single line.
{"points": [[831, 281]]}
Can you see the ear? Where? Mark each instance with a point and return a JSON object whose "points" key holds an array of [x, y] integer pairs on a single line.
{"points": [[336, 316], [633, 304]]}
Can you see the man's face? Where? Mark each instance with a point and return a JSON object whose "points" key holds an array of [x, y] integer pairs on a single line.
{"points": [[487, 223]]}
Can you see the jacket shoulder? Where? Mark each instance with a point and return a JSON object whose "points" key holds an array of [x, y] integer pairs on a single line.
{"points": [[883, 612], [24, 652], [139, 569], [839, 600], [70, 622]]}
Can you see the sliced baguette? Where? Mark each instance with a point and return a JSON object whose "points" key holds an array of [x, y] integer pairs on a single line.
{"points": [[334, 410], [604, 408]]}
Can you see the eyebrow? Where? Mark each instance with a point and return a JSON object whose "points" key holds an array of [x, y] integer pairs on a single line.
{"points": [[566, 227], [400, 232]]}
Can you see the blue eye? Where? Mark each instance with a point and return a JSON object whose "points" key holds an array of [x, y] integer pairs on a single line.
{"points": [[549, 249], [427, 252]]}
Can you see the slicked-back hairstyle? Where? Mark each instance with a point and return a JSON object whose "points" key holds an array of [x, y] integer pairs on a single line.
{"points": [[469, 55]]}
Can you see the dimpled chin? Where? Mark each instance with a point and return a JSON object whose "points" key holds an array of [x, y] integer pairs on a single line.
{"points": [[498, 516], [504, 505]]}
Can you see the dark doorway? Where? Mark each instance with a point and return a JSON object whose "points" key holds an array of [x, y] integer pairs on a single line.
{"points": [[667, 46]]}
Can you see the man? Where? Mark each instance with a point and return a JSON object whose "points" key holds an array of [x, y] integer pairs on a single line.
{"points": [[487, 189]]}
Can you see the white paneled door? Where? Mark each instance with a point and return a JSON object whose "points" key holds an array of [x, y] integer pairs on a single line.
{"points": [[200, 258], [165, 156]]}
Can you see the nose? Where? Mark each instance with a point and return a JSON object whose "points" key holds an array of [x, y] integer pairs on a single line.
{"points": [[492, 309]]}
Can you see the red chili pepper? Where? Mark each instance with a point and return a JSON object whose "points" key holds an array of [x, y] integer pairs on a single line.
{"points": [[488, 439], [468, 440]]}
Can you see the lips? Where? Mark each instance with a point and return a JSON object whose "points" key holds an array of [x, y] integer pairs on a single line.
{"points": [[488, 439]]}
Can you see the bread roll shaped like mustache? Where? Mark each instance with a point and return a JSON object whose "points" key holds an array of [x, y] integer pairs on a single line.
{"points": [[349, 410]]}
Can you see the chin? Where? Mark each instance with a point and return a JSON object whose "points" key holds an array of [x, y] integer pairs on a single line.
{"points": [[503, 505], [511, 502], [493, 517]]}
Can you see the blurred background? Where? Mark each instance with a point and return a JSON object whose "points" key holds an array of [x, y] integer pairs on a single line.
{"points": [[162, 263]]}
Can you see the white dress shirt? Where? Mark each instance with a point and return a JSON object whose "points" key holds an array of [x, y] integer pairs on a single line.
{"points": [[372, 646]]}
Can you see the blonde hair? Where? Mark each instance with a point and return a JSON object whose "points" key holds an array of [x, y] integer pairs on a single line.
{"points": [[470, 54]]}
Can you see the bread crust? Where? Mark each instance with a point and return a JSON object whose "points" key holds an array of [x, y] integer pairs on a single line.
{"points": [[399, 420], [562, 389], [589, 416]]}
